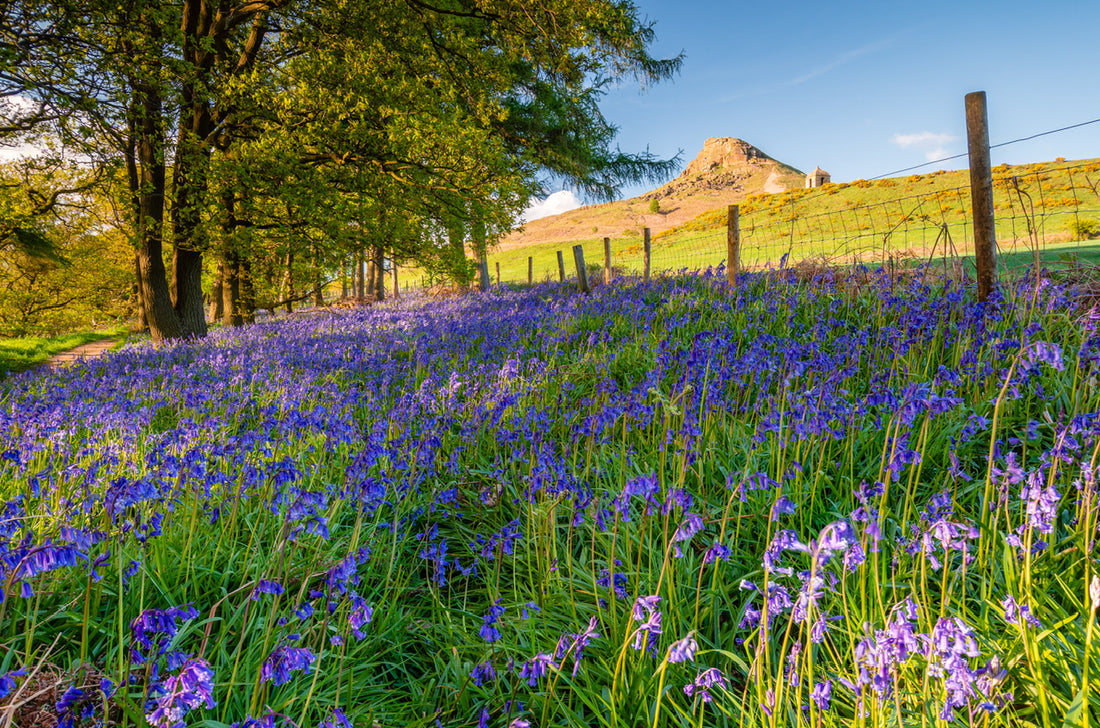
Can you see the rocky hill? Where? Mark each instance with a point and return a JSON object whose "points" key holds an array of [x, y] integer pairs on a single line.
{"points": [[726, 171]]}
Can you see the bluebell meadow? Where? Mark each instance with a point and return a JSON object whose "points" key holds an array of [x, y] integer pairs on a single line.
{"points": [[827, 502]]}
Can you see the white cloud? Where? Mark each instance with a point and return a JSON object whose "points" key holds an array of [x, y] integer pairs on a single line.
{"points": [[934, 146], [922, 139], [558, 202]]}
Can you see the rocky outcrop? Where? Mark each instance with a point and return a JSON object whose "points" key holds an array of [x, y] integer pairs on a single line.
{"points": [[726, 163], [726, 171]]}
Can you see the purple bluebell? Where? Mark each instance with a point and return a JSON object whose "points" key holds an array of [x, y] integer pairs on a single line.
{"points": [[338, 719], [1019, 614], [359, 616], [489, 631], [717, 552], [783, 506], [7, 681], [822, 694], [192, 688], [535, 668], [284, 660], [683, 650], [154, 629], [705, 680], [950, 647], [483, 673], [266, 586]]}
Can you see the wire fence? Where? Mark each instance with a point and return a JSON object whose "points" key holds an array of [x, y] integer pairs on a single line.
{"points": [[1037, 209]]}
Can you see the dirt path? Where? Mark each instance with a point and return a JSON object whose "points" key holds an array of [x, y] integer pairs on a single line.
{"points": [[84, 351]]}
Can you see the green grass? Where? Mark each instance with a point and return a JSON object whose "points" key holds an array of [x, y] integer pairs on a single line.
{"points": [[1053, 206], [20, 354]]}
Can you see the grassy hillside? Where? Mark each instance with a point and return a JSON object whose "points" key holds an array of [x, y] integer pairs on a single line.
{"points": [[1052, 205]]}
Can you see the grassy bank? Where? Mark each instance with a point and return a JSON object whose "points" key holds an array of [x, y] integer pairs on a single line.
{"points": [[23, 353]]}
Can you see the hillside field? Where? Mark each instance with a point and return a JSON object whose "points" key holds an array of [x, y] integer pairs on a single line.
{"points": [[832, 503], [1051, 206]]}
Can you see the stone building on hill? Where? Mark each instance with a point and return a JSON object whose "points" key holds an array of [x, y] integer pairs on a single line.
{"points": [[817, 178]]}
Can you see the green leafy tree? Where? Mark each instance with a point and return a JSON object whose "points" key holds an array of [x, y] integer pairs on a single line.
{"points": [[260, 113]]}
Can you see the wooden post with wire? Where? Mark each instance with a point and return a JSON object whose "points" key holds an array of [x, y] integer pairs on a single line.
{"points": [[582, 274], [561, 267], [530, 270], [498, 272], [981, 193], [733, 243], [646, 254], [396, 288], [607, 260]]}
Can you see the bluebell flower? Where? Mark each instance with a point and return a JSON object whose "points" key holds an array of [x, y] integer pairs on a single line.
{"points": [[192, 688], [535, 668], [783, 506], [359, 616], [338, 719], [822, 694], [683, 650], [7, 681], [704, 681], [153, 629], [284, 660], [266, 586], [489, 631], [483, 673], [717, 552], [1019, 614]]}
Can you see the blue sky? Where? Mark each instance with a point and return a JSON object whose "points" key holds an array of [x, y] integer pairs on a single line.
{"points": [[865, 88]]}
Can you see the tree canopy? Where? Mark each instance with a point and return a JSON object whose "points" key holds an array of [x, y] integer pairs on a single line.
{"points": [[269, 129]]}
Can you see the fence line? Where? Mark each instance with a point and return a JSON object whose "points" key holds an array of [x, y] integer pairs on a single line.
{"points": [[1034, 210]]}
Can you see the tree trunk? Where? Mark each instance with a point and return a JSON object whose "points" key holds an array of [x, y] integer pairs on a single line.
{"points": [[288, 282], [315, 271], [217, 297], [142, 319], [190, 179], [146, 172], [247, 301], [231, 290], [379, 264], [360, 284]]}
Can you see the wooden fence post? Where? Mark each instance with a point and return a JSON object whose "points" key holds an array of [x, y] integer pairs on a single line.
{"points": [[981, 193], [582, 274], [396, 288], [530, 270], [607, 260], [561, 267], [498, 272], [646, 250], [733, 243]]}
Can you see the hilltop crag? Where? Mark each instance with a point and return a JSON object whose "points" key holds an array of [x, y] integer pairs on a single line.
{"points": [[726, 171]]}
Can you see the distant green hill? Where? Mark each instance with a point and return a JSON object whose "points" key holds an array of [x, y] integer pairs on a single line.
{"points": [[1052, 205]]}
